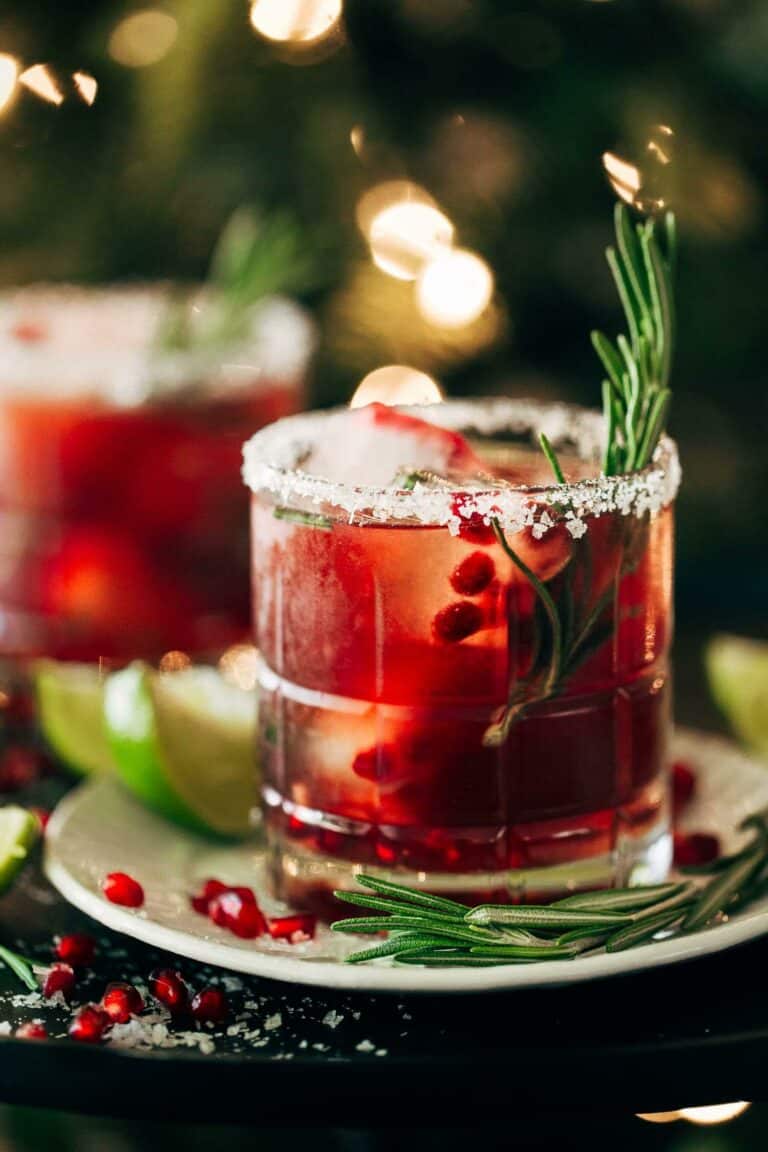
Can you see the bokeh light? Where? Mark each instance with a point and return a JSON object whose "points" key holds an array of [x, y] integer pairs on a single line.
{"points": [[625, 178], [143, 38], [40, 80], [396, 384], [9, 71], [295, 21], [239, 666], [406, 236], [454, 288], [86, 86], [174, 661], [714, 1113]]}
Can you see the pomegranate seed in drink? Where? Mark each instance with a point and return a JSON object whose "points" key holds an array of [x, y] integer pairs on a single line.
{"points": [[457, 622], [34, 1030], [473, 575], [120, 888], [59, 978], [209, 1006], [286, 927], [121, 1001], [77, 949], [695, 848], [167, 986], [683, 785], [89, 1025]]}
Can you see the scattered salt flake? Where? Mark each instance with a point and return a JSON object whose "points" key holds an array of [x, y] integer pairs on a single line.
{"points": [[273, 1022], [232, 984], [332, 1018], [304, 1044], [253, 1005], [365, 1046], [322, 1047], [35, 1000], [207, 1045], [5, 1028], [380, 1052]]}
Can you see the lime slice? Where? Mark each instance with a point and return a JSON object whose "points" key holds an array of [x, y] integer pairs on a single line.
{"points": [[183, 743], [19, 831], [70, 704], [738, 677]]}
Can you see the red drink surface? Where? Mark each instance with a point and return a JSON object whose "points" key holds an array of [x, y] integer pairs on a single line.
{"points": [[389, 648]]}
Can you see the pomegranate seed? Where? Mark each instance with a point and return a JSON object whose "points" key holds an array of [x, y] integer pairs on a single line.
{"points": [[457, 621], [167, 986], [474, 574], [59, 978], [212, 888], [377, 763], [243, 917], [77, 949], [121, 1001], [286, 927], [473, 527], [29, 331], [34, 1030], [120, 888], [210, 1006], [19, 766], [683, 785], [89, 1024], [43, 816], [695, 848]]}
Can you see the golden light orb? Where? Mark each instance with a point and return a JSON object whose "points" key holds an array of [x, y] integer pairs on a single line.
{"points": [[143, 38], [239, 666], [40, 80], [295, 21], [454, 289], [9, 71], [714, 1113], [396, 384], [406, 236], [86, 86]]}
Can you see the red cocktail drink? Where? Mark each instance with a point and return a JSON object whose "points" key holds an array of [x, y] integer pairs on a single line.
{"points": [[120, 497], [464, 677]]}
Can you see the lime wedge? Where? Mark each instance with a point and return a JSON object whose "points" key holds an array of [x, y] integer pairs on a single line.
{"points": [[19, 831], [70, 704], [738, 676], [184, 744]]}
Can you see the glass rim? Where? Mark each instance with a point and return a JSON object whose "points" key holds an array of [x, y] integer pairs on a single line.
{"points": [[272, 456], [132, 367]]}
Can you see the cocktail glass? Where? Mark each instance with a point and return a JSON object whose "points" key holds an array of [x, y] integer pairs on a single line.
{"points": [[464, 667], [123, 516]]}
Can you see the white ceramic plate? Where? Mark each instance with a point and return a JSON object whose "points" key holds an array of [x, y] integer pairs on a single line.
{"points": [[98, 828]]}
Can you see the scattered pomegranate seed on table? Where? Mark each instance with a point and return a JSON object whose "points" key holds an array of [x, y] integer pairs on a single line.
{"points": [[210, 1006], [121, 1001], [120, 888], [34, 1030], [89, 1024], [77, 949], [167, 986], [695, 848], [302, 924], [59, 978]]}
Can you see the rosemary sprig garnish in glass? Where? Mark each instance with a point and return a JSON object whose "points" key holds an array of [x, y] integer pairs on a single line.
{"points": [[436, 932]]}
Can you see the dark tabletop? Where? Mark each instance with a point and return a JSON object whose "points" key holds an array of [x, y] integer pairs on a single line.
{"points": [[691, 1033]]}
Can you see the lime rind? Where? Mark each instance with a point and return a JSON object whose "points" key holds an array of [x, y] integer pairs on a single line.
{"points": [[19, 832], [738, 676], [69, 700]]}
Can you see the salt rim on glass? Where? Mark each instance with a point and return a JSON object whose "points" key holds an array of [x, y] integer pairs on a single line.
{"points": [[273, 459], [66, 341]]}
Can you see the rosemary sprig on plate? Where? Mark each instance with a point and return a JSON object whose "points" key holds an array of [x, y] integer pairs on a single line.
{"points": [[435, 932]]}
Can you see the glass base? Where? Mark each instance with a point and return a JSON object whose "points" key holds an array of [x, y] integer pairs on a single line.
{"points": [[306, 878]]}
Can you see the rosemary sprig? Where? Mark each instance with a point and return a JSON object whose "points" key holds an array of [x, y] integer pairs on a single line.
{"points": [[20, 966], [308, 519], [434, 935], [636, 392]]}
